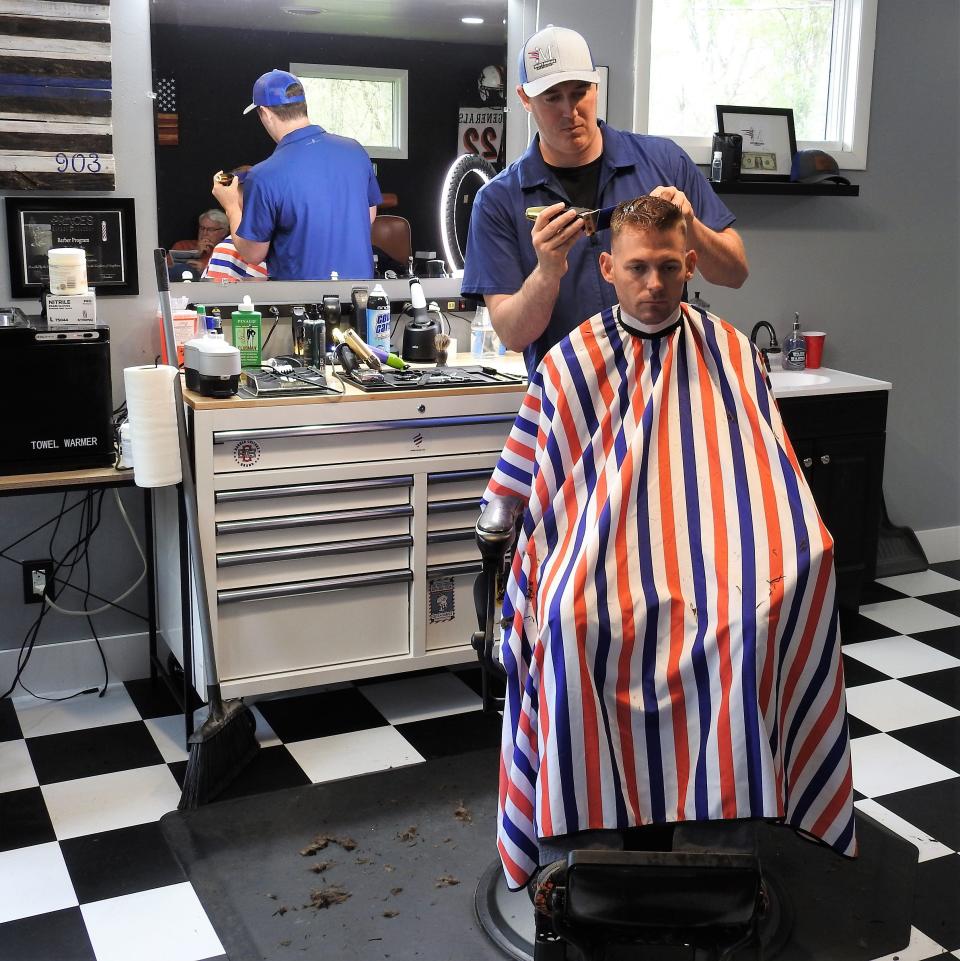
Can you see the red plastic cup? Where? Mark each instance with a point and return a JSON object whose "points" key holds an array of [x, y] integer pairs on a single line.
{"points": [[814, 339]]}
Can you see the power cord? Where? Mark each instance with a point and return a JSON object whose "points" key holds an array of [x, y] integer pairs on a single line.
{"points": [[75, 554], [99, 610]]}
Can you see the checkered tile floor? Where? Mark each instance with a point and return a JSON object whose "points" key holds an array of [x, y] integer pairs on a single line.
{"points": [[86, 876]]}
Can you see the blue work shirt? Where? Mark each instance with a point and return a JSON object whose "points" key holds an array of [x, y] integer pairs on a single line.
{"points": [[311, 201], [500, 254]]}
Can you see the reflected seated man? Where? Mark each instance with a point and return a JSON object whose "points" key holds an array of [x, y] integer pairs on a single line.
{"points": [[212, 227], [226, 265], [671, 638]]}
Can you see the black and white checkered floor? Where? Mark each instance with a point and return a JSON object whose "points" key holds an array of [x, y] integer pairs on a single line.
{"points": [[86, 876]]}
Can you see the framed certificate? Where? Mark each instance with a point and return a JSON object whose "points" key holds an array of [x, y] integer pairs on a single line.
{"points": [[104, 229]]}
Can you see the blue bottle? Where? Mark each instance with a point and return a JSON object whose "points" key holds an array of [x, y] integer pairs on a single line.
{"points": [[378, 319]]}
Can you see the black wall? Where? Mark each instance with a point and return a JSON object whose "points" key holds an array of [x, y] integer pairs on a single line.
{"points": [[215, 70]]}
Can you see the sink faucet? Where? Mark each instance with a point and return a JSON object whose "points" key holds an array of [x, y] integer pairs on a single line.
{"points": [[773, 347]]}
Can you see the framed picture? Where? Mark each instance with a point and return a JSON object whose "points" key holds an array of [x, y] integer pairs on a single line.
{"points": [[769, 141], [103, 227], [602, 87]]}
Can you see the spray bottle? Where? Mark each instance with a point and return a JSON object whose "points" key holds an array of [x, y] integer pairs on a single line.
{"points": [[378, 319], [795, 348]]}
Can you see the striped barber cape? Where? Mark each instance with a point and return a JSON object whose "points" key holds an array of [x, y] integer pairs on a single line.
{"points": [[671, 639]]}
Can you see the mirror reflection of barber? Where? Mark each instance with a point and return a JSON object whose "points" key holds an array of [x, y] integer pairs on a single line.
{"points": [[307, 208], [540, 283]]}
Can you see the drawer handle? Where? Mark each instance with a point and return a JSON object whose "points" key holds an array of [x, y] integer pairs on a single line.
{"points": [[312, 520], [445, 537], [449, 477], [452, 570], [450, 507], [808, 462], [237, 558], [322, 430], [312, 587], [299, 490], [824, 458]]}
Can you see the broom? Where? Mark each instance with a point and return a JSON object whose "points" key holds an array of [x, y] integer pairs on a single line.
{"points": [[225, 742]]}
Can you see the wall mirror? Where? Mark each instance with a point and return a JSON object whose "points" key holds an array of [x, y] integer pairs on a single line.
{"points": [[206, 54]]}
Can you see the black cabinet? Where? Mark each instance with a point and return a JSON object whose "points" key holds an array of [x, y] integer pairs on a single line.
{"points": [[839, 441]]}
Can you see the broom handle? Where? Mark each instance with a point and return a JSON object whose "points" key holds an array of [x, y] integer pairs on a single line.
{"points": [[214, 697]]}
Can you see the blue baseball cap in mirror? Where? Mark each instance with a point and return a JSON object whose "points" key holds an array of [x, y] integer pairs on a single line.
{"points": [[270, 90]]}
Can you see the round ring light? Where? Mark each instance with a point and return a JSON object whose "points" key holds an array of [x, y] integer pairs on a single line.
{"points": [[451, 194]]}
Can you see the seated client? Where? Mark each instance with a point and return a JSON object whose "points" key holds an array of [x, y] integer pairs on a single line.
{"points": [[671, 641], [225, 264]]}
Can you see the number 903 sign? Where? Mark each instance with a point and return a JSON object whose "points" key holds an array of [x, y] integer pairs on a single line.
{"points": [[78, 163]]}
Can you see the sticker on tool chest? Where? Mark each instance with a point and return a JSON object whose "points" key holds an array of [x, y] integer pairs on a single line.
{"points": [[246, 452], [441, 594]]}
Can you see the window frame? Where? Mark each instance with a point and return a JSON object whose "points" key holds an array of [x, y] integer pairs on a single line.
{"points": [[848, 102], [398, 150]]}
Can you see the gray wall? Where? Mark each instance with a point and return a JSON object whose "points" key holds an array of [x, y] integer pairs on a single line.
{"points": [[878, 272], [114, 559]]}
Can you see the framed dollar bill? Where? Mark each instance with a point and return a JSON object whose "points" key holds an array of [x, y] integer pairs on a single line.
{"points": [[769, 141]]}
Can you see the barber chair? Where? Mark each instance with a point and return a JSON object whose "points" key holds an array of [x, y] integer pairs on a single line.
{"points": [[703, 897], [391, 234]]}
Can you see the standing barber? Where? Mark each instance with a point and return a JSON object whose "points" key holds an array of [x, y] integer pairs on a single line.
{"points": [[541, 280], [307, 208]]}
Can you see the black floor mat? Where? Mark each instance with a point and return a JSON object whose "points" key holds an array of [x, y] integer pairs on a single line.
{"points": [[424, 835]]}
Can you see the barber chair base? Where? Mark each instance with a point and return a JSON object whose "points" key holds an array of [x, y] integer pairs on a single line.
{"points": [[818, 905], [509, 920]]}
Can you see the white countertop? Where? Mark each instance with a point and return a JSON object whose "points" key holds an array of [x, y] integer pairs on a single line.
{"points": [[822, 380], [786, 383]]}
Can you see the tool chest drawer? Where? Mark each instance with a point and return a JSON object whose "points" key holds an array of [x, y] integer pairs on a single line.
{"points": [[289, 447], [272, 630], [327, 527], [278, 565], [460, 514], [451, 616], [454, 485], [288, 500], [449, 547]]}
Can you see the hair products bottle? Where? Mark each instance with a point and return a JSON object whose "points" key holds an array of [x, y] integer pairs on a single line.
{"points": [[795, 348]]}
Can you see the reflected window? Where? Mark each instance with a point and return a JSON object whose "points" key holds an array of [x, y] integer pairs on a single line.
{"points": [[814, 56], [368, 104]]}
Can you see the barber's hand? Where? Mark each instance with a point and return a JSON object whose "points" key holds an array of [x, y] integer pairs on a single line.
{"points": [[555, 231], [227, 195], [679, 199]]}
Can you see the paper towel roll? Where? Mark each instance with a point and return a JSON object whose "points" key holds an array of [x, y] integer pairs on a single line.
{"points": [[153, 425]]}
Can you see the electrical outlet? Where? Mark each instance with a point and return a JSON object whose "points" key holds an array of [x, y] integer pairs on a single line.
{"points": [[37, 580]]}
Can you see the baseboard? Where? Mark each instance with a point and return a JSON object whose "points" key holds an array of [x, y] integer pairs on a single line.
{"points": [[75, 665], [940, 544]]}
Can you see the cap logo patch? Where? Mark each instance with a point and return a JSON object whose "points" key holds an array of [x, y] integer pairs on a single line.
{"points": [[542, 57]]}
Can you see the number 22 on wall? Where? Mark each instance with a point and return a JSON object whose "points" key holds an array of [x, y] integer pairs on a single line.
{"points": [[487, 138]]}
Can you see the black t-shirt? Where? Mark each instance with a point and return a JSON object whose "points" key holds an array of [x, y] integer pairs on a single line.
{"points": [[580, 183]]}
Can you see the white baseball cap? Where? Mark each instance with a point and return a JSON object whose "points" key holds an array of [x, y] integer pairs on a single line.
{"points": [[552, 55]]}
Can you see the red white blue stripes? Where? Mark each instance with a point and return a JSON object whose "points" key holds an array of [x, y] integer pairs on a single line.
{"points": [[672, 650]]}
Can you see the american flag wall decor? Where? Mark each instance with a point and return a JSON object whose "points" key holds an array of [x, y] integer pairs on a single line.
{"points": [[168, 120], [56, 130]]}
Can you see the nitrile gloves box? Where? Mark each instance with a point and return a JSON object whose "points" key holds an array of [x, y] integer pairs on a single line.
{"points": [[74, 310]]}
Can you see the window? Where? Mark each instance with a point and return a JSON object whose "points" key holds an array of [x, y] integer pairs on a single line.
{"points": [[366, 103], [814, 56]]}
